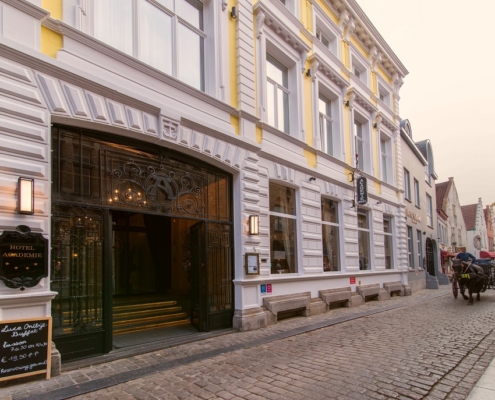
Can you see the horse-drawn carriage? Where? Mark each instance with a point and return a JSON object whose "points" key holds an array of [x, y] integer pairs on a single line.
{"points": [[476, 277]]}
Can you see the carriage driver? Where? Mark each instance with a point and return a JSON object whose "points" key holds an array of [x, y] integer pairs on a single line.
{"points": [[465, 256]]}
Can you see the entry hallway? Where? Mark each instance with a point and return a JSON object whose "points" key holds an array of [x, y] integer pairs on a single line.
{"points": [[425, 346]]}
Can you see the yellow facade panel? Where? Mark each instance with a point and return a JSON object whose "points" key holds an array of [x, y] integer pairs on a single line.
{"points": [[51, 42]]}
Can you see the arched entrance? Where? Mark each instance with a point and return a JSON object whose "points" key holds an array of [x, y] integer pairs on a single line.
{"points": [[141, 240]]}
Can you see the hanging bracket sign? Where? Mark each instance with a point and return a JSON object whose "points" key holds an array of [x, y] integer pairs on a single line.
{"points": [[362, 190]]}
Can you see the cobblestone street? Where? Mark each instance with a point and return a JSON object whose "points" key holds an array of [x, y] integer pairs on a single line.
{"points": [[423, 346]]}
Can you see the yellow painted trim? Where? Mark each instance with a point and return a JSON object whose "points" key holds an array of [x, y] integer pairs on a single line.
{"points": [[51, 42], [382, 73], [308, 107], [346, 59], [378, 188], [309, 16], [361, 49], [374, 83], [376, 151], [310, 157], [232, 28], [259, 135], [328, 11], [235, 123], [54, 7], [348, 136]]}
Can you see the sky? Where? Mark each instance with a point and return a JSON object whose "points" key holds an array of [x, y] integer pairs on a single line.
{"points": [[449, 94]]}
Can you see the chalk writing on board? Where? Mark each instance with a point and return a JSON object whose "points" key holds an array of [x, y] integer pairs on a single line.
{"points": [[24, 347]]}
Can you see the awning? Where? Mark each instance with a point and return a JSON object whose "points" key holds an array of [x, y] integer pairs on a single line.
{"points": [[487, 254]]}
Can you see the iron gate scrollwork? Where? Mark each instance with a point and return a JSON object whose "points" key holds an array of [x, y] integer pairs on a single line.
{"points": [[77, 269]]}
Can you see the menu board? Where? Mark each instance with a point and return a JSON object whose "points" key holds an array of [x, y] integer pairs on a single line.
{"points": [[25, 347]]}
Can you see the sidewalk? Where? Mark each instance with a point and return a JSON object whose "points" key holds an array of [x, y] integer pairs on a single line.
{"points": [[129, 365], [485, 387]]}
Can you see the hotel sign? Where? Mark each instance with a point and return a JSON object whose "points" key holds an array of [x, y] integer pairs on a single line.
{"points": [[362, 190], [414, 217], [23, 258]]}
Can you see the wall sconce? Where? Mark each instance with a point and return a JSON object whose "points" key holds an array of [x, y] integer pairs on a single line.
{"points": [[375, 125], [424, 232], [378, 202], [346, 103], [254, 224], [233, 13], [312, 178], [308, 72], [25, 191]]}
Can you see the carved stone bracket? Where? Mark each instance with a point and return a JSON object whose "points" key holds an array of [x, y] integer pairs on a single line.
{"points": [[170, 129]]}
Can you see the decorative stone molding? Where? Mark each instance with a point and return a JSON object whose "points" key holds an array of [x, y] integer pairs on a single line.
{"points": [[362, 101], [375, 58], [169, 129], [260, 21], [351, 96], [319, 64], [284, 173], [343, 19], [349, 29], [314, 65]]}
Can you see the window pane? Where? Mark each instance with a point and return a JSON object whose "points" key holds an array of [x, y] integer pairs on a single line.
{"points": [[364, 253], [113, 23], [386, 226], [155, 43], [282, 245], [329, 210], [270, 103], [190, 63], [362, 220], [329, 138], [276, 71], [330, 248], [282, 199], [388, 252], [191, 11], [285, 114]]}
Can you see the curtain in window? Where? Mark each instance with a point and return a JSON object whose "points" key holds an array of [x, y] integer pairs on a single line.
{"points": [[155, 44], [113, 23]]}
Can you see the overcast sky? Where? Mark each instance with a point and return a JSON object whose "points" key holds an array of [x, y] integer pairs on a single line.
{"points": [[449, 94]]}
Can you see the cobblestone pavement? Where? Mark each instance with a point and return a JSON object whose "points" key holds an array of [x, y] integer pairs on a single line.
{"points": [[424, 346]]}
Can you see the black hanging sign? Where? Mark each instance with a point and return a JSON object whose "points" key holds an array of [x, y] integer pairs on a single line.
{"points": [[23, 258], [362, 190], [25, 347]]}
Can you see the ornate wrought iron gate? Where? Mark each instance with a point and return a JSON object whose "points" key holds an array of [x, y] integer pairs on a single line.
{"points": [[92, 177]]}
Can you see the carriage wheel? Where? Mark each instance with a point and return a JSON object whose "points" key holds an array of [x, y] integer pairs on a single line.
{"points": [[455, 289]]}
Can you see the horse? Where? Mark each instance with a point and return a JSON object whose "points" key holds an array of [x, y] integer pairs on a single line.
{"points": [[472, 277]]}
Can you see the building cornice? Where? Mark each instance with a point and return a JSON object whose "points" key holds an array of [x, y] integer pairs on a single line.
{"points": [[318, 64], [28, 8]]}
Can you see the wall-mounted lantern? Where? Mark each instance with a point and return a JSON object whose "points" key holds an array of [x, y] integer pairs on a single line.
{"points": [[25, 191], [254, 224]]}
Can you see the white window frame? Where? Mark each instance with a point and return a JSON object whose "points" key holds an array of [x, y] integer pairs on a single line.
{"points": [[410, 247], [360, 69], [384, 94], [291, 5], [385, 147], [419, 249], [417, 195], [365, 160], [390, 236], [336, 117], [337, 226], [209, 74], [429, 210], [407, 184], [270, 42], [368, 230], [323, 28], [279, 88]]}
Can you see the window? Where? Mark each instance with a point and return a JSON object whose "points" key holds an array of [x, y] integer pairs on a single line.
{"points": [[429, 210], [407, 185], [416, 194], [326, 122], [282, 229], [427, 175], [359, 70], [420, 248], [384, 95], [362, 145], [386, 162], [358, 132], [387, 238], [330, 233], [166, 34], [326, 37], [410, 247], [363, 240], [277, 94]]}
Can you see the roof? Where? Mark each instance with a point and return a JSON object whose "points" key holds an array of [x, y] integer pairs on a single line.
{"points": [[469, 214], [442, 192]]}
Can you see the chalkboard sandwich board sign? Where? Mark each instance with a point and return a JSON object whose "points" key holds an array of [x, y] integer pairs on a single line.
{"points": [[25, 347]]}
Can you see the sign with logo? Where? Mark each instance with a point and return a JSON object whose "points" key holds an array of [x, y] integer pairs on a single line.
{"points": [[415, 218], [362, 190], [268, 287], [352, 280], [23, 258], [263, 289]]}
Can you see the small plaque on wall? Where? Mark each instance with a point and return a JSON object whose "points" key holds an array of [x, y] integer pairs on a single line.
{"points": [[252, 263]]}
